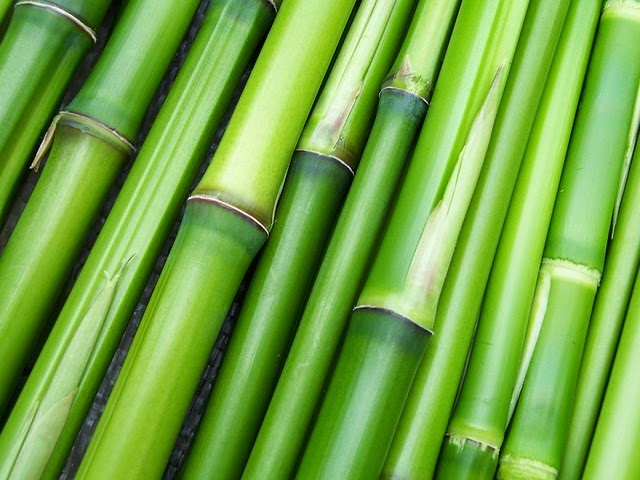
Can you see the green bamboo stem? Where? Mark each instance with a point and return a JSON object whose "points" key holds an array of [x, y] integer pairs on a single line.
{"points": [[401, 109], [136, 229], [607, 318], [107, 113], [319, 176], [41, 49], [227, 220], [477, 426], [382, 350], [416, 445], [575, 249], [613, 451]]}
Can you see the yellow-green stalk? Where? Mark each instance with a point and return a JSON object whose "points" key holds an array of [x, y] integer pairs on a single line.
{"points": [[614, 449], [91, 323], [401, 108], [227, 220], [40, 51], [575, 249], [477, 426], [90, 143], [415, 449], [609, 310], [319, 176]]}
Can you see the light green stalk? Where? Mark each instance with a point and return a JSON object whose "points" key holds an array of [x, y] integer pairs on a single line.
{"points": [[320, 173], [607, 318], [416, 445], [41, 49], [575, 249], [476, 429], [382, 349], [614, 450], [136, 229], [90, 142], [401, 108], [227, 220]]}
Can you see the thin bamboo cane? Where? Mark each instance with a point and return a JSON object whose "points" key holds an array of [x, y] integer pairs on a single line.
{"points": [[401, 108], [91, 142], [575, 249], [382, 349], [476, 429], [42, 47], [614, 450], [416, 445], [227, 220], [134, 233], [621, 264], [320, 173]]}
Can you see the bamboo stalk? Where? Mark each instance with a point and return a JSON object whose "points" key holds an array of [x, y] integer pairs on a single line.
{"points": [[41, 49], [607, 319], [227, 220], [401, 108], [90, 143], [135, 230], [575, 249], [476, 429], [414, 451], [319, 176], [613, 451], [382, 349]]}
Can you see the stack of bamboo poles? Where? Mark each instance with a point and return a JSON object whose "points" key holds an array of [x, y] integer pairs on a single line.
{"points": [[411, 251]]}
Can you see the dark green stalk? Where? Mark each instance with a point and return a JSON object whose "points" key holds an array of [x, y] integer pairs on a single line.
{"points": [[614, 450], [227, 220], [575, 247], [91, 142], [382, 349], [319, 176], [134, 232], [401, 109], [476, 428], [41, 49], [621, 264]]}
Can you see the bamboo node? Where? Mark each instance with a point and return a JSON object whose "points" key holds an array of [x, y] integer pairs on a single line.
{"points": [[63, 13], [460, 442], [228, 206], [580, 272], [525, 468], [394, 314], [334, 158]]}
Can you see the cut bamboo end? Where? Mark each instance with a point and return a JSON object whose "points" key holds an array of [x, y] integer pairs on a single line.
{"points": [[57, 10], [519, 468]]}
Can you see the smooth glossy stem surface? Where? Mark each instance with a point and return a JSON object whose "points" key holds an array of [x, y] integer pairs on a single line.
{"points": [[141, 218], [39, 53]]}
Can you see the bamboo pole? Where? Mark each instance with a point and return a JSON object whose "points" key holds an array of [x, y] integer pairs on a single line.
{"points": [[92, 321], [382, 349], [414, 451], [576, 243], [90, 142], [613, 452], [477, 427], [319, 176], [41, 49], [401, 108], [227, 220]]}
